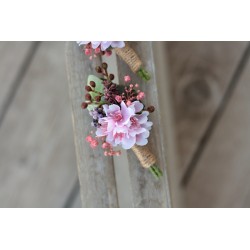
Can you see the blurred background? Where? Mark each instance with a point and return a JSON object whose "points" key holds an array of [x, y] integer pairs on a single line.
{"points": [[37, 156], [209, 83]]}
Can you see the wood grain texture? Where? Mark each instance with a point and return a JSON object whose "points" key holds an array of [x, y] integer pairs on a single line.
{"points": [[222, 175], [96, 172], [200, 73], [37, 155], [146, 191], [13, 55]]}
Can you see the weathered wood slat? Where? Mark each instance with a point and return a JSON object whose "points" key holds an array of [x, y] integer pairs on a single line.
{"points": [[200, 73], [222, 176], [146, 191], [13, 55], [96, 172], [37, 155]]}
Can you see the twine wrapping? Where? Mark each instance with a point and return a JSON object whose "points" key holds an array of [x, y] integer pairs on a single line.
{"points": [[128, 55], [144, 155]]}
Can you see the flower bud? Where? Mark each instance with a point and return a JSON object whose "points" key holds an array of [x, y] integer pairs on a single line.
{"points": [[93, 143], [98, 69], [127, 78], [89, 138], [97, 50], [88, 88], [118, 98], [88, 97], [111, 77], [98, 98], [104, 65], [84, 105], [92, 84], [88, 52], [108, 53], [151, 109]]}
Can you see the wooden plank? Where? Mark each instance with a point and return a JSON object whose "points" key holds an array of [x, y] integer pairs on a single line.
{"points": [[168, 124], [200, 73], [77, 203], [13, 54], [121, 164], [222, 175], [37, 155], [96, 172], [146, 191]]}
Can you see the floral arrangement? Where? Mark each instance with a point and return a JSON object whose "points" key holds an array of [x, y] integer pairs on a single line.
{"points": [[122, 49], [119, 117]]}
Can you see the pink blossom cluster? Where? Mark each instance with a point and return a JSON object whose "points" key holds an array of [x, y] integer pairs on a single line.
{"points": [[125, 125], [100, 47], [131, 93], [109, 151]]}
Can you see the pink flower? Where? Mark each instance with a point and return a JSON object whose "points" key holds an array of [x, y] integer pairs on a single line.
{"points": [[140, 96], [118, 98], [103, 44], [127, 78], [108, 53], [97, 50], [89, 138], [125, 126], [93, 143], [88, 52], [105, 145]]}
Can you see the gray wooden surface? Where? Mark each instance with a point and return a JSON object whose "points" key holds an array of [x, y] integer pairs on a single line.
{"points": [[210, 85], [200, 73], [37, 157], [222, 174], [38, 166], [97, 173]]}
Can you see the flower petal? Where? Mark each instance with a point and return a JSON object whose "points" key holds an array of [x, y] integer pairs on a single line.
{"points": [[82, 42], [105, 45], [126, 113], [138, 106], [128, 142], [95, 44], [118, 44]]}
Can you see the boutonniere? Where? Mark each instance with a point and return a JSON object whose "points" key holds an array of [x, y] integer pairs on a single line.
{"points": [[122, 49], [119, 117]]}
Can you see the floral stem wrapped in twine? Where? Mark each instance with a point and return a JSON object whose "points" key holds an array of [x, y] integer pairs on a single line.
{"points": [[119, 117], [128, 55], [147, 159]]}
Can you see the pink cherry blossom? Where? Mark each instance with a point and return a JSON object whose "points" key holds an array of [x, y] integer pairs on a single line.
{"points": [[125, 126]]}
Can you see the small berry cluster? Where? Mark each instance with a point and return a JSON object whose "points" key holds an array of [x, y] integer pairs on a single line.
{"points": [[131, 92], [108, 149]]}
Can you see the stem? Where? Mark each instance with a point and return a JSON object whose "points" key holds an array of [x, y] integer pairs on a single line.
{"points": [[144, 74], [157, 173]]}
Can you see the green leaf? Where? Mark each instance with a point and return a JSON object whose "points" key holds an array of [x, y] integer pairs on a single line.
{"points": [[98, 88], [98, 83]]}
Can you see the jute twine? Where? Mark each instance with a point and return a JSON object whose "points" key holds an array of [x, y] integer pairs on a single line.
{"points": [[146, 158], [128, 55]]}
